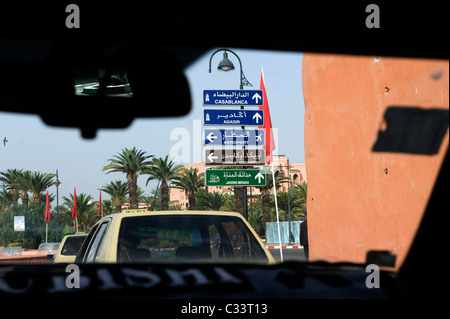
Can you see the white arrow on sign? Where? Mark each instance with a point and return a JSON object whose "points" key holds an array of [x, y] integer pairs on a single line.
{"points": [[257, 117], [259, 176], [211, 157], [256, 96], [211, 137]]}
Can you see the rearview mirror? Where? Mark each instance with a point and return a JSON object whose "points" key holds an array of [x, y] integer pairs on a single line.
{"points": [[93, 91]]}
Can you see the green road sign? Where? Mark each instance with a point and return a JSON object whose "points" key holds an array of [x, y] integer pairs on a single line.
{"points": [[235, 177]]}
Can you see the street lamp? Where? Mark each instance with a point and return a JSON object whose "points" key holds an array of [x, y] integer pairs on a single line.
{"points": [[226, 65]]}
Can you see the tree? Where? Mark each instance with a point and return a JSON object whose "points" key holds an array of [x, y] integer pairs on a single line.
{"points": [[140, 194], [118, 190], [296, 202], [239, 199], [108, 207], [238, 191], [265, 192], [38, 182], [256, 218], [303, 188], [155, 199], [5, 202], [132, 163], [34, 225], [23, 184], [191, 182], [19, 180], [86, 212], [164, 171], [11, 177], [213, 201]]}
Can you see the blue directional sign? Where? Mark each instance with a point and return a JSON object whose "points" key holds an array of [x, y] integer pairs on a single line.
{"points": [[233, 117], [232, 97], [235, 157], [234, 137]]}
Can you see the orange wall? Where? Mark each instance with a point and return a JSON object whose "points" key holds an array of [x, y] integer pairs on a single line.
{"points": [[353, 205]]}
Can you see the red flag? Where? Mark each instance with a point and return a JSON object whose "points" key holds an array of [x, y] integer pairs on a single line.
{"points": [[100, 205], [74, 208], [270, 144], [47, 209]]}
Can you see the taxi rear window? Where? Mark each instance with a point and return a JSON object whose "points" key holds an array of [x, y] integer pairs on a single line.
{"points": [[72, 245], [187, 238]]}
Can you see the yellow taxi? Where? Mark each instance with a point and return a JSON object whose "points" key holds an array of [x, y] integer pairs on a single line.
{"points": [[173, 237]]}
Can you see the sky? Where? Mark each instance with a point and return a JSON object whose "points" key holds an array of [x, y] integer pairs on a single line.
{"points": [[34, 146]]}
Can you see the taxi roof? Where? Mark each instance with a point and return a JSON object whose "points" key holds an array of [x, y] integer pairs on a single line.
{"points": [[174, 212]]}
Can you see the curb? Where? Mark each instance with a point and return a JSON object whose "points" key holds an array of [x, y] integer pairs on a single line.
{"points": [[284, 247]]}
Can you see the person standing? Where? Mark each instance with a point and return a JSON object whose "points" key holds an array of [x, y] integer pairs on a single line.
{"points": [[304, 238]]}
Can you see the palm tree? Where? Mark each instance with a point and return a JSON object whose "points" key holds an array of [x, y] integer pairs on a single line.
{"points": [[132, 163], [238, 192], [293, 200], [86, 212], [118, 190], [303, 187], [155, 199], [38, 182], [11, 177], [265, 192], [5, 202], [140, 194], [213, 201], [23, 184], [107, 207], [191, 182], [164, 171], [256, 218]]}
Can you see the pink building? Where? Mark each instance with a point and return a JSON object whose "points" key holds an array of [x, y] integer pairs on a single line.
{"points": [[297, 174]]}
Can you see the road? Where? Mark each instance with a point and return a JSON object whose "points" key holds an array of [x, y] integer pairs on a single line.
{"points": [[289, 254]]}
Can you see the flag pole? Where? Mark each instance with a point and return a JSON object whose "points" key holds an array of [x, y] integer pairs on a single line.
{"points": [[276, 209], [269, 147], [47, 209], [100, 208], [74, 208]]}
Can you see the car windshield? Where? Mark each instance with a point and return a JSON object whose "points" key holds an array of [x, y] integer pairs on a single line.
{"points": [[189, 238], [328, 157]]}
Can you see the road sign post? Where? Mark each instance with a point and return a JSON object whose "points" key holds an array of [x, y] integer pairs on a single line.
{"points": [[235, 157], [238, 137], [232, 97], [235, 177], [233, 117]]}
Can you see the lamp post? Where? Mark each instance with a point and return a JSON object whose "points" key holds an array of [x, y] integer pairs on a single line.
{"points": [[289, 201], [3, 212], [288, 166], [57, 183], [226, 65]]}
